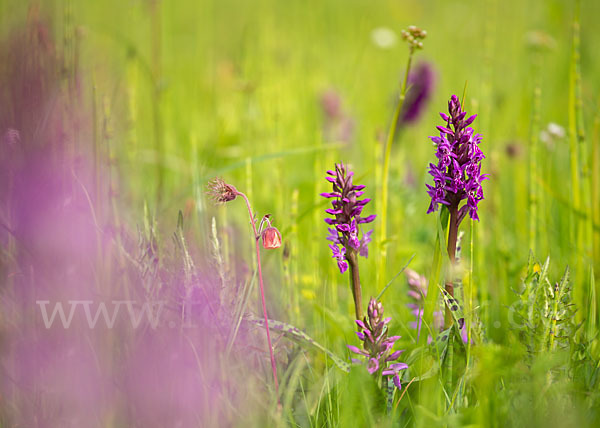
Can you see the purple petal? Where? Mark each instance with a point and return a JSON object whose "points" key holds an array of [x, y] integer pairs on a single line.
{"points": [[470, 120], [394, 356], [361, 324], [398, 366], [444, 129], [356, 350], [372, 365], [368, 219], [343, 227]]}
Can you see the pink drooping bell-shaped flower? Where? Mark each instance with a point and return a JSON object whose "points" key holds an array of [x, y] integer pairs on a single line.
{"points": [[271, 238]]}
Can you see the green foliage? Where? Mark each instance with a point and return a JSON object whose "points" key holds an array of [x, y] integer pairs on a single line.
{"points": [[294, 333], [546, 312]]}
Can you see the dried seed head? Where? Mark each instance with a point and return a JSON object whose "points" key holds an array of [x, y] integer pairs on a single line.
{"points": [[221, 192], [413, 35], [271, 238]]}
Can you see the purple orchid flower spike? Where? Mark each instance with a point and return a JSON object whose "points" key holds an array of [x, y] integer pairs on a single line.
{"points": [[345, 235], [347, 209], [377, 350], [457, 175]]}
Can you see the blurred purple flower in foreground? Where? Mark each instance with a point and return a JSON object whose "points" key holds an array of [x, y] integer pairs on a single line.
{"points": [[421, 81], [81, 289], [457, 176], [347, 210], [377, 346]]}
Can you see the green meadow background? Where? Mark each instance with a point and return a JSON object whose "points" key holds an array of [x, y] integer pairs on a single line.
{"points": [[178, 92]]}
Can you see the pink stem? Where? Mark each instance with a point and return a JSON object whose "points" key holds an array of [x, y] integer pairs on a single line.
{"points": [[262, 293]]}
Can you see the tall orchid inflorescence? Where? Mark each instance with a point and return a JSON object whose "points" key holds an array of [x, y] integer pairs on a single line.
{"points": [[377, 346], [457, 175], [347, 210]]}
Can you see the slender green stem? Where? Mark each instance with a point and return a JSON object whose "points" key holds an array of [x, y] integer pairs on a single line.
{"points": [[595, 186], [533, 153], [156, 55], [573, 146], [386, 169], [552, 331], [355, 282], [580, 172], [262, 293]]}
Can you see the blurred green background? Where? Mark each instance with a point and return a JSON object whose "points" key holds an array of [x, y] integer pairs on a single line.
{"points": [[178, 92], [183, 91]]}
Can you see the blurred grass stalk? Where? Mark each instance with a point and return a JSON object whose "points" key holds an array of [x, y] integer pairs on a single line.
{"points": [[533, 149], [156, 60], [582, 231], [480, 251], [381, 268], [596, 188]]}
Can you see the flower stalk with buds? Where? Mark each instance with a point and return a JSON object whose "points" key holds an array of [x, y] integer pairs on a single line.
{"points": [[221, 192], [413, 36]]}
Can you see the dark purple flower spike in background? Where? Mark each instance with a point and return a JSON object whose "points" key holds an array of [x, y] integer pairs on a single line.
{"points": [[421, 82]]}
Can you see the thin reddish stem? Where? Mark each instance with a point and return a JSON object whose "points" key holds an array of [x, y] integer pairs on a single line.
{"points": [[262, 292], [452, 238]]}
